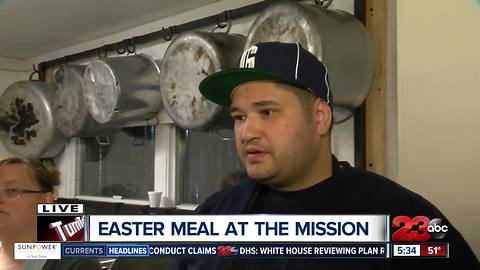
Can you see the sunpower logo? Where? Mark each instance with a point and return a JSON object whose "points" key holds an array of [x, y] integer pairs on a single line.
{"points": [[36, 246], [419, 229], [37, 251]]}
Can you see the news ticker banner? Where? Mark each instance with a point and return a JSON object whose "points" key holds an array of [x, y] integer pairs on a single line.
{"points": [[239, 228], [251, 250], [67, 222], [317, 250]]}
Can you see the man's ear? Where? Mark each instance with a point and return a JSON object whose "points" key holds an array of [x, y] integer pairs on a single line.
{"points": [[323, 116]]}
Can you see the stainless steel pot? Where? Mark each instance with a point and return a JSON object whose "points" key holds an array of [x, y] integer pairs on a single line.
{"points": [[69, 106], [120, 90], [26, 120], [335, 37], [190, 58]]}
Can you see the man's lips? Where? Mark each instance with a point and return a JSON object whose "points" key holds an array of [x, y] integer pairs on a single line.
{"points": [[253, 153]]}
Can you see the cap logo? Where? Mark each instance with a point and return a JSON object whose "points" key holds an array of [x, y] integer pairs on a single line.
{"points": [[248, 58]]}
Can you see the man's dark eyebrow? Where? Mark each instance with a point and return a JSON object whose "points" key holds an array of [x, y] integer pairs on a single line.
{"points": [[261, 103], [234, 109]]}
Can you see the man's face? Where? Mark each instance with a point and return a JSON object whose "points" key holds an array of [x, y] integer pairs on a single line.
{"points": [[18, 215], [272, 136]]}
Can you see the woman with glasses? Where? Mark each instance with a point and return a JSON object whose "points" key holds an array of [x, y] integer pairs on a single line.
{"points": [[24, 183]]}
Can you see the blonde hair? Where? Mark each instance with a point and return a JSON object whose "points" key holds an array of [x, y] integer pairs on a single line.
{"points": [[44, 171]]}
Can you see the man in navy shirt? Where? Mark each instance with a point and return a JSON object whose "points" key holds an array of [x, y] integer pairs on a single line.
{"points": [[281, 103]]}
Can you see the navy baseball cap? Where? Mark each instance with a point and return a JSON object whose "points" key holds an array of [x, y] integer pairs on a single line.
{"points": [[287, 63]]}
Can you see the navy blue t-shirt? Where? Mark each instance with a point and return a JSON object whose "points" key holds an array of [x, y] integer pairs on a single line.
{"points": [[347, 191]]}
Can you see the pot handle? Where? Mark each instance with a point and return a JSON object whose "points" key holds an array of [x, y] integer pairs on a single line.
{"points": [[323, 3], [35, 71], [103, 140], [223, 21]]}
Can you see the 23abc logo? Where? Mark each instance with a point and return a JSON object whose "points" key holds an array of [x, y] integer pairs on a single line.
{"points": [[419, 229]]}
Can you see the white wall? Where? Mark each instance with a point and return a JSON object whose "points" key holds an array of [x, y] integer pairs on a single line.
{"points": [[438, 107]]}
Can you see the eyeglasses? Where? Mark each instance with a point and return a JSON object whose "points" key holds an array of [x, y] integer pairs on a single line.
{"points": [[13, 193]]}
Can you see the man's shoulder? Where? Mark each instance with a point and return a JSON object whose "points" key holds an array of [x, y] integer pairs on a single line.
{"points": [[373, 193], [231, 200], [381, 192]]}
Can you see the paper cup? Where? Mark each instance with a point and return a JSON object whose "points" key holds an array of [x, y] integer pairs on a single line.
{"points": [[154, 197]]}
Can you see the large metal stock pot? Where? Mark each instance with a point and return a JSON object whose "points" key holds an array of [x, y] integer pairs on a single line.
{"points": [[69, 106], [335, 37], [190, 58], [121, 90], [26, 121]]}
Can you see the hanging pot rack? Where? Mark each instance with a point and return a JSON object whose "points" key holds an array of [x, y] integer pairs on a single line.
{"points": [[166, 33]]}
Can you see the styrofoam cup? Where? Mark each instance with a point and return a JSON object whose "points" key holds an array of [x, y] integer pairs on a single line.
{"points": [[154, 197]]}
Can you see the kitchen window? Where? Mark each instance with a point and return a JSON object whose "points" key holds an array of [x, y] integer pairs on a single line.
{"points": [[210, 163], [187, 166], [117, 166]]}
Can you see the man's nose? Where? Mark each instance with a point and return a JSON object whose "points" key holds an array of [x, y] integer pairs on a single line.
{"points": [[249, 130]]}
